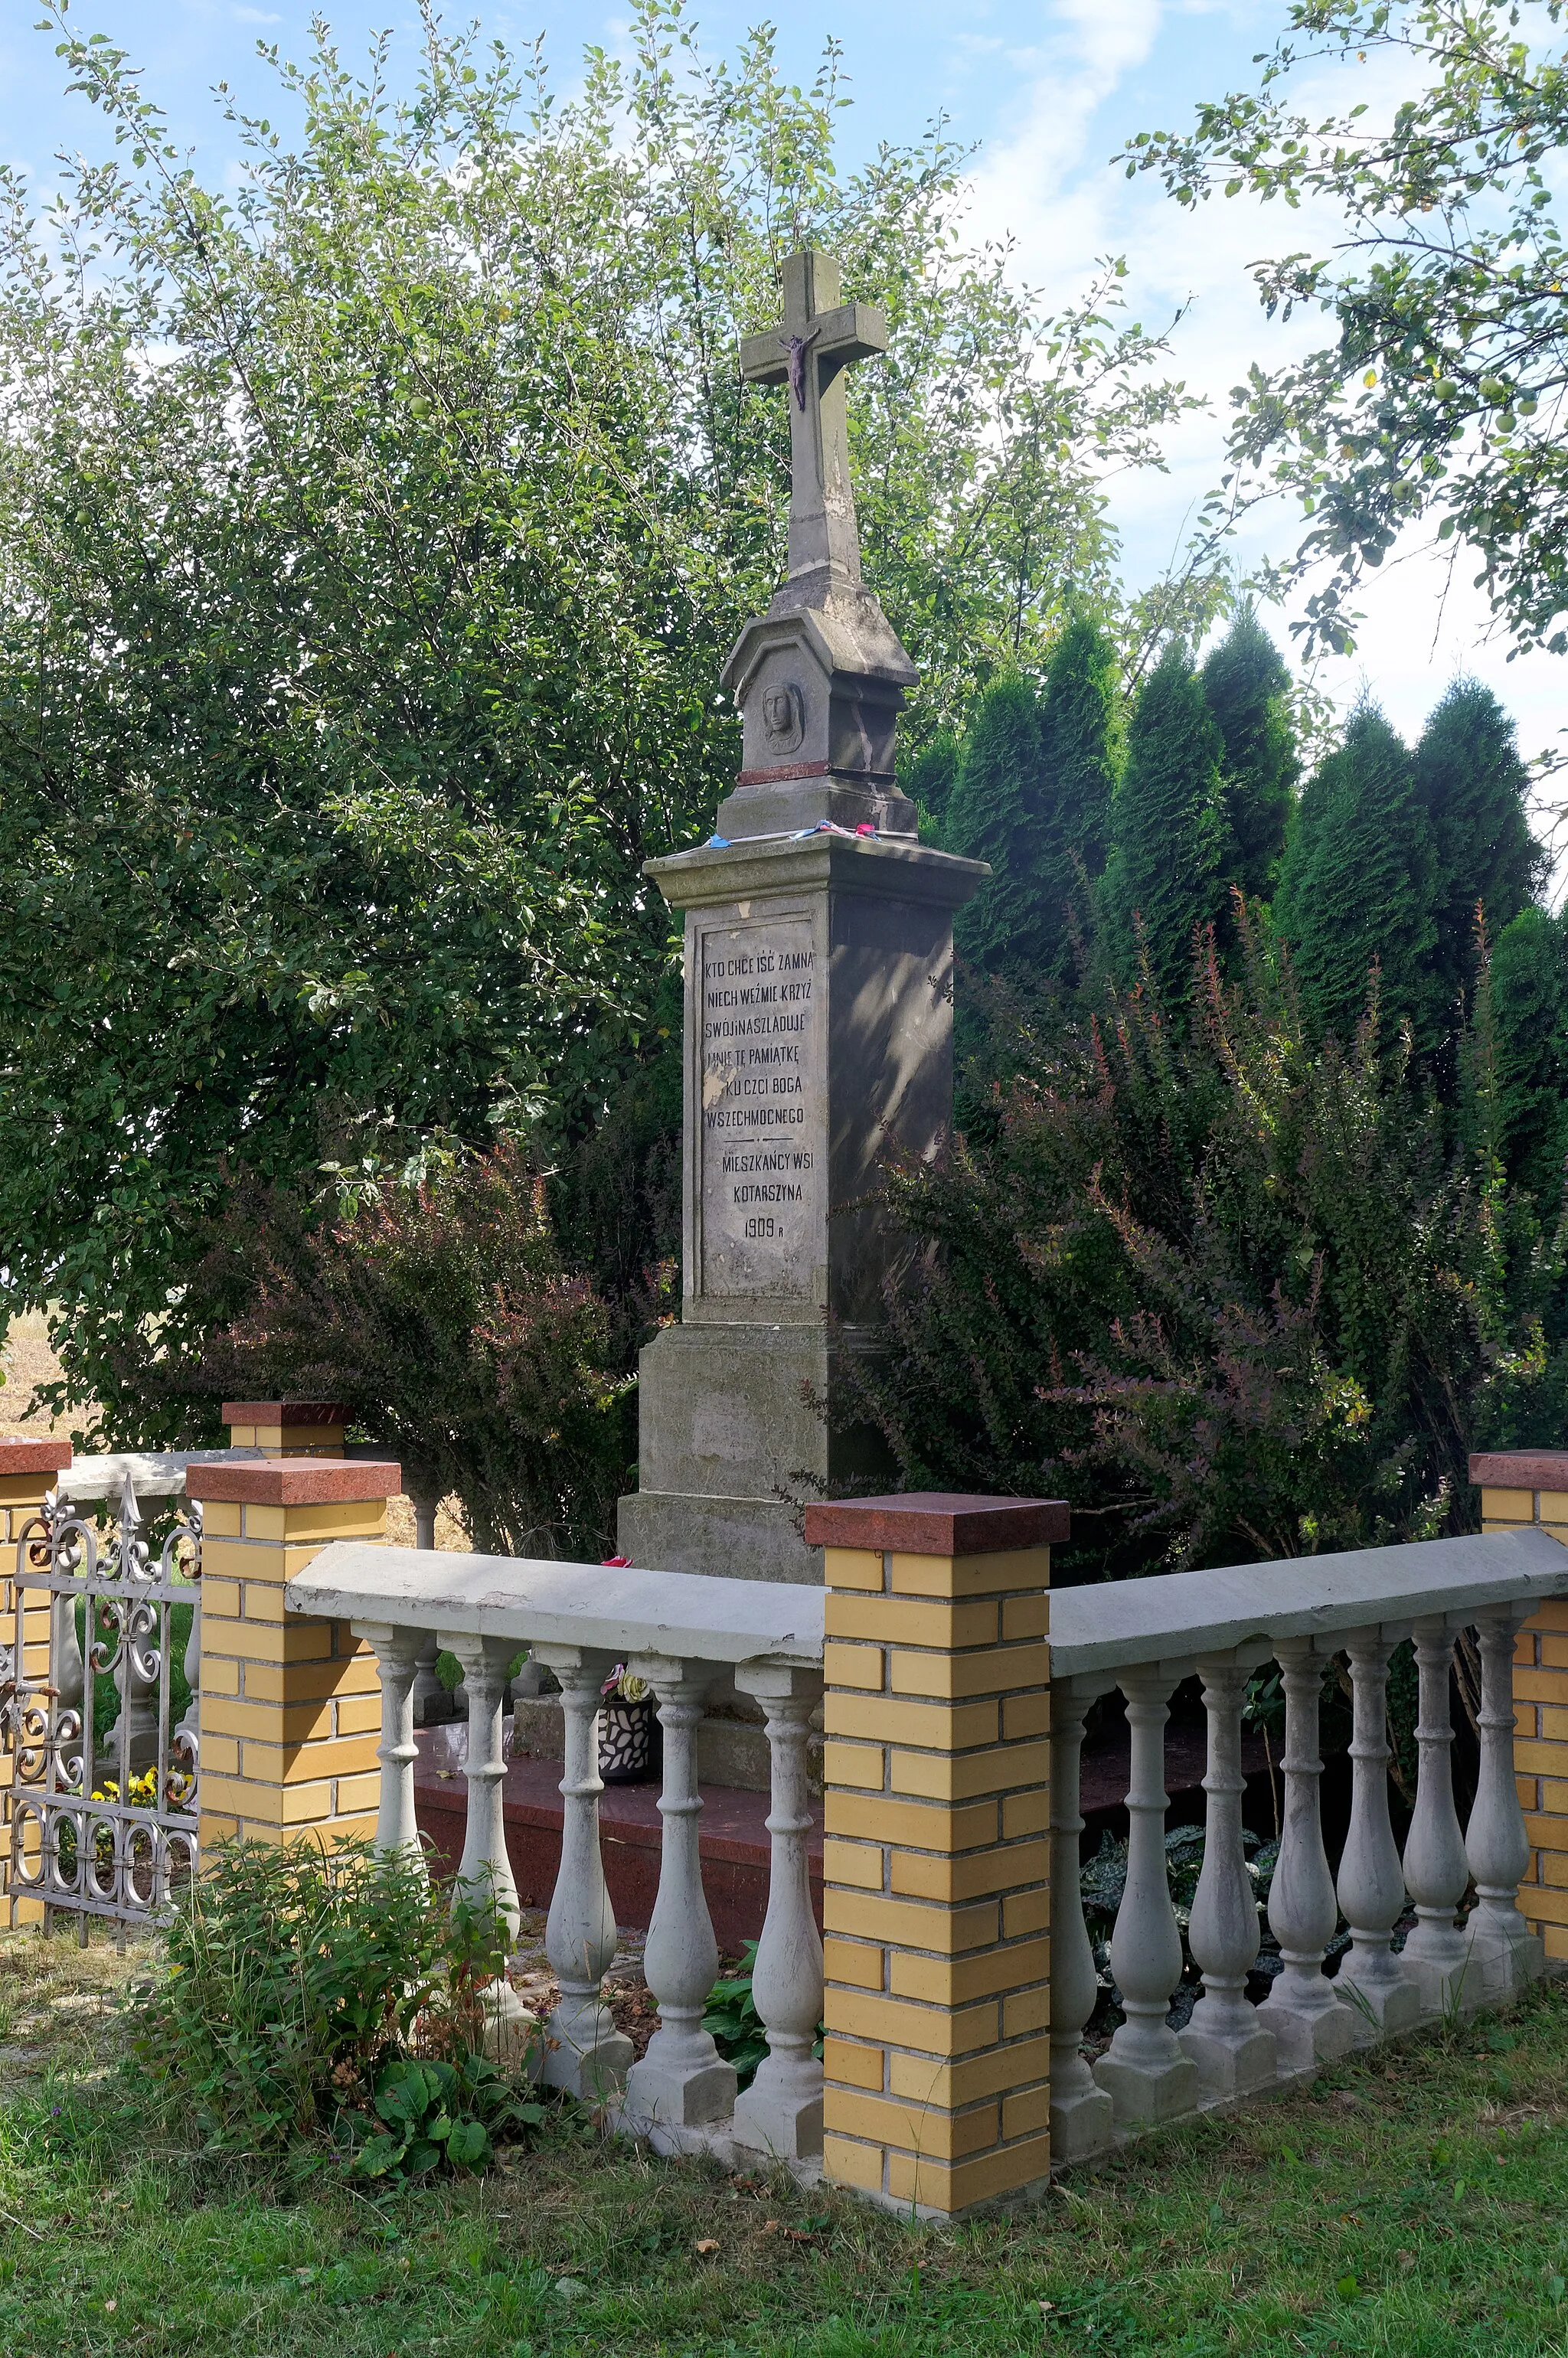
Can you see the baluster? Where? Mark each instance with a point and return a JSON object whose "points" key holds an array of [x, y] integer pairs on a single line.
{"points": [[1497, 1846], [682, 2082], [1145, 2073], [427, 1687], [781, 2112], [1233, 2049], [1082, 2115], [485, 1871], [1309, 2023], [584, 2051], [1372, 1980], [1436, 1951], [485, 1867], [397, 1661]]}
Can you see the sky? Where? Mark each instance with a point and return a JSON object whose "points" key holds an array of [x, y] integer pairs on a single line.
{"points": [[1045, 92]]}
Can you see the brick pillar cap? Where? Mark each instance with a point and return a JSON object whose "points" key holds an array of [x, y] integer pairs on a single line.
{"points": [[298, 1482], [937, 1522], [284, 1412], [1522, 1469], [21, 1454]]}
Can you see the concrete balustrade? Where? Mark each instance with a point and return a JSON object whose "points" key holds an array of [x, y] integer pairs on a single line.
{"points": [[781, 2112], [1146, 1636], [678, 1631], [956, 1688]]}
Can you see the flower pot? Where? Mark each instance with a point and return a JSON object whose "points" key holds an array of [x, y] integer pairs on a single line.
{"points": [[629, 1748]]}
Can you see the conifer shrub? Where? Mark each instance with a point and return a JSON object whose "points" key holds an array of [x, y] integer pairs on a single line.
{"points": [[1247, 686], [1162, 882], [1081, 751], [1530, 995], [1473, 788], [1360, 882], [927, 778], [995, 813], [329, 2005]]}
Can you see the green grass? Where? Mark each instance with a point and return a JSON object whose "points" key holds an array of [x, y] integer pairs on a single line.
{"points": [[1416, 2205]]}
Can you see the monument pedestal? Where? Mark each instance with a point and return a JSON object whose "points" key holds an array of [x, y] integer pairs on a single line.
{"points": [[818, 1036], [818, 1020], [727, 1423]]}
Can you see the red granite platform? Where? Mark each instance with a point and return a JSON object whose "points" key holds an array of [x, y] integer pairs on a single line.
{"points": [[733, 1836], [1106, 1764], [732, 1831]]}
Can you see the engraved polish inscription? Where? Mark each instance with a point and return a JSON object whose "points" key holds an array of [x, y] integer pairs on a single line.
{"points": [[760, 1121]]}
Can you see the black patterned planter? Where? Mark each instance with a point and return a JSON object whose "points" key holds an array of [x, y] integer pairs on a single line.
{"points": [[627, 1740]]}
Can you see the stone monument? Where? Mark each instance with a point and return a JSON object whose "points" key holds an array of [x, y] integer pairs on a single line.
{"points": [[818, 963]]}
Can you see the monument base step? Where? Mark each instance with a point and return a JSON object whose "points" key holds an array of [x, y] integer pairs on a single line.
{"points": [[733, 1840]]}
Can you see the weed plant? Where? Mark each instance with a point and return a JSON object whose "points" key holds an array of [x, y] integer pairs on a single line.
{"points": [[328, 2004]]}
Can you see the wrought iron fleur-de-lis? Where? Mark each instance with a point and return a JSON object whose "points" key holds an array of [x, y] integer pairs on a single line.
{"points": [[131, 1558]]}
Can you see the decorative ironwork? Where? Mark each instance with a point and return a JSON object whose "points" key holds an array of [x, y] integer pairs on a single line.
{"points": [[100, 1810]]}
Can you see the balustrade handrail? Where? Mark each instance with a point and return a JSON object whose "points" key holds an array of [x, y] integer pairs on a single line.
{"points": [[152, 1472], [622, 1610], [1178, 1617]]}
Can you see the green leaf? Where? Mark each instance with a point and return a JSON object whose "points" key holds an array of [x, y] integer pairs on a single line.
{"points": [[468, 2146], [379, 2154]]}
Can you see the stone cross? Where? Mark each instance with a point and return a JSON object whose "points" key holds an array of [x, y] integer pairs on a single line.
{"points": [[820, 339]]}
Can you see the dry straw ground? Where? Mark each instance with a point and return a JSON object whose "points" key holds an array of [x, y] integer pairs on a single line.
{"points": [[26, 1361]]}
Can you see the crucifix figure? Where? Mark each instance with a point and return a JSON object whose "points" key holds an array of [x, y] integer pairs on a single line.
{"points": [[820, 339]]}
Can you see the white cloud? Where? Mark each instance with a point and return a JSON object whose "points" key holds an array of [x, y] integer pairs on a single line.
{"points": [[255, 16], [1046, 180]]}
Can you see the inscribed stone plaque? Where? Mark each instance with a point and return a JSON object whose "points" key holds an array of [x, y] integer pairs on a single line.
{"points": [[762, 1108]]}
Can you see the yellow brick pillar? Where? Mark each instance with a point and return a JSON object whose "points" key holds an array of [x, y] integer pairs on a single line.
{"points": [[1520, 1487], [290, 1705], [936, 1774], [287, 1428], [28, 1472]]}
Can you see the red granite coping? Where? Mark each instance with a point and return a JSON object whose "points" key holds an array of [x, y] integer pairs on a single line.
{"points": [[284, 1412], [1522, 1469], [937, 1522], [23, 1457], [296, 1482]]}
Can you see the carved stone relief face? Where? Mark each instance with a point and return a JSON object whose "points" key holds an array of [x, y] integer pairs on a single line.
{"points": [[784, 715]]}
